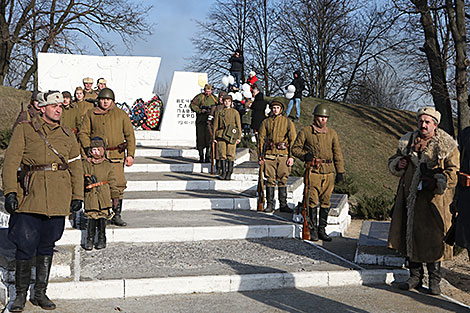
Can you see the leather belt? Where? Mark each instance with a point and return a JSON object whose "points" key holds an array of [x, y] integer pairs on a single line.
{"points": [[54, 167]]}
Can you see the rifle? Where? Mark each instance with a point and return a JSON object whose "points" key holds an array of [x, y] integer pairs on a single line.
{"points": [[305, 230], [261, 188]]}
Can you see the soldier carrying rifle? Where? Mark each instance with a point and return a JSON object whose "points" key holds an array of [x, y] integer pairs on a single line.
{"points": [[276, 136], [318, 145]]}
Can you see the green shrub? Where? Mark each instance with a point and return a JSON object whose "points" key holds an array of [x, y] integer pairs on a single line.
{"points": [[347, 186], [372, 207], [5, 136]]}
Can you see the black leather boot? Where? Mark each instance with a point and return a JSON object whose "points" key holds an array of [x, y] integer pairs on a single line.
{"points": [[312, 223], [43, 268], [101, 225], [434, 272], [223, 169], [218, 167], [207, 158], [269, 200], [201, 156], [229, 172], [117, 220], [283, 207], [323, 222], [416, 276], [22, 280], [90, 234]]}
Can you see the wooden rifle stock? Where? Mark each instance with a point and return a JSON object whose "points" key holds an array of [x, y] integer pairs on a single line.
{"points": [[261, 188], [305, 229]]}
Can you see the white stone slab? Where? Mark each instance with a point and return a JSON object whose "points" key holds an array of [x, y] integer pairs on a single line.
{"points": [[102, 289], [306, 279], [178, 121], [130, 77], [147, 134]]}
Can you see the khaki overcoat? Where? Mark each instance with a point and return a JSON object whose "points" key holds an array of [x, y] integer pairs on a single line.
{"points": [[50, 192], [100, 197], [276, 129]]}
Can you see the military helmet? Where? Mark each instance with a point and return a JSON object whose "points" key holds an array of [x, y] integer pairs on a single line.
{"points": [[106, 93], [97, 142], [277, 101], [321, 110]]}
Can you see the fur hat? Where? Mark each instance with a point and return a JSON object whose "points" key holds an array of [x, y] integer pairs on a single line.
{"points": [[101, 81], [50, 97], [88, 80], [431, 112]]}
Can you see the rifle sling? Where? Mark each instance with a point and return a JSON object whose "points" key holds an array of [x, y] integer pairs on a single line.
{"points": [[38, 131]]}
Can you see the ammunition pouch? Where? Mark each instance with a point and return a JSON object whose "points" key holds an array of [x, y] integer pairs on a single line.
{"points": [[279, 145], [230, 134], [463, 179]]}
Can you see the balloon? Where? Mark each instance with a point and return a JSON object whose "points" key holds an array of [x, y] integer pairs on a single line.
{"points": [[291, 88], [246, 87], [231, 80], [267, 110], [238, 96], [225, 81], [289, 95], [247, 94], [202, 80], [232, 95]]}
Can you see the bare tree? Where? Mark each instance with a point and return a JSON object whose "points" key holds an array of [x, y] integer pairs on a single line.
{"points": [[314, 36], [29, 27], [456, 16], [223, 31]]}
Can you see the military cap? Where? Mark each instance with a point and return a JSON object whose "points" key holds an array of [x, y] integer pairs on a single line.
{"points": [[222, 93], [106, 93], [50, 97], [66, 94], [277, 101], [227, 97], [321, 110], [101, 81], [207, 86], [96, 142], [431, 112], [88, 80]]}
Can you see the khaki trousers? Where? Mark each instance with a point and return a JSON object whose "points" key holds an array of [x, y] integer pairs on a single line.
{"points": [[225, 151], [321, 187], [276, 170], [118, 169]]}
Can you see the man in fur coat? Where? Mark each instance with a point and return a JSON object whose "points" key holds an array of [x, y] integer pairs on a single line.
{"points": [[427, 161]]}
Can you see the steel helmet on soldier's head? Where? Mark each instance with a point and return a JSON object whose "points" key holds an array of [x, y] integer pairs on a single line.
{"points": [[321, 110], [106, 93], [277, 101]]}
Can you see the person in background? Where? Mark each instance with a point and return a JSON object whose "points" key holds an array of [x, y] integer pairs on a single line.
{"points": [[299, 85], [236, 67]]}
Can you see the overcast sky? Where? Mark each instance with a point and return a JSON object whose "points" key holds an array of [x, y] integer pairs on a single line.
{"points": [[174, 27]]}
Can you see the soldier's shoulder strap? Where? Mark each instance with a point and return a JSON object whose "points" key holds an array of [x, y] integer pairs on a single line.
{"points": [[67, 130], [37, 128]]}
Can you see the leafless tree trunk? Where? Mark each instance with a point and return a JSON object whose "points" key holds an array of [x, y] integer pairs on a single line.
{"points": [[437, 66], [457, 25]]}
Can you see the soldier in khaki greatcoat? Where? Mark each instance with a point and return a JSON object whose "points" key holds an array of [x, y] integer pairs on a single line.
{"points": [[201, 105], [88, 90], [214, 109], [100, 188], [227, 134], [114, 126], [82, 105], [48, 186], [276, 136], [70, 113], [319, 145]]}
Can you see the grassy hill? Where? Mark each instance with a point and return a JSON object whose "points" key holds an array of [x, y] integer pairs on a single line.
{"points": [[368, 136]]}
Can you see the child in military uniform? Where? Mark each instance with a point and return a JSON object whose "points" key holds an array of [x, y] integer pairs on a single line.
{"points": [[100, 188], [227, 135]]}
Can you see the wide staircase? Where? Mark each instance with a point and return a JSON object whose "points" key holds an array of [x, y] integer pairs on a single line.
{"points": [[189, 232]]}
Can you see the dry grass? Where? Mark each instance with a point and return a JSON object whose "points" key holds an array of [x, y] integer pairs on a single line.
{"points": [[10, 105]]}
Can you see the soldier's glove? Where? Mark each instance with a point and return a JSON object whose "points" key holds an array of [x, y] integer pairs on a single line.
{"points": [[309, 157], [75, 205], [11, 202], [339, 177]]}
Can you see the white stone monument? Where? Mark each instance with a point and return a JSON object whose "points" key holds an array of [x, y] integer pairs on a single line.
{"points": [[130, 77], [178, 123]]}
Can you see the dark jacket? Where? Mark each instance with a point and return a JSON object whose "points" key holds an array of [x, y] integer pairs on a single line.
{"points": [[258, 107], [462, 230], [299, 85], [236, 63]]}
